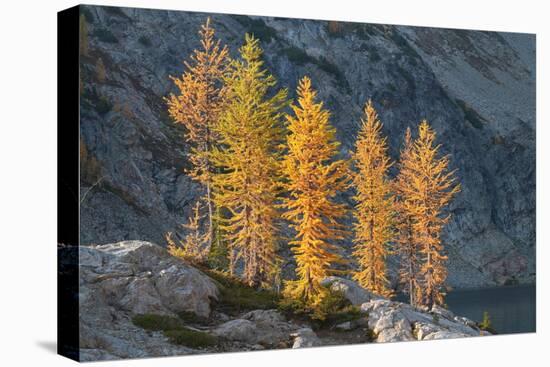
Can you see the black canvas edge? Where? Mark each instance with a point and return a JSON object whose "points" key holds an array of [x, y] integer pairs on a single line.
{"points": [[68, 123]]}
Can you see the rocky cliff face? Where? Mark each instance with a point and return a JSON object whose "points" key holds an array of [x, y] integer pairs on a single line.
{"points": [[476, 88]]}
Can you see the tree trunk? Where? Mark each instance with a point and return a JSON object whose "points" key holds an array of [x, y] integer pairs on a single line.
{"points": [[210, 215], [411, 274]]}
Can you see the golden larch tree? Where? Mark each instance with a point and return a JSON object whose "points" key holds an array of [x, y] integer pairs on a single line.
{"points": [[198, 106], [314, 178], [194, 247], [248, 182], [406, 241], [374, 204], [432, 186]]}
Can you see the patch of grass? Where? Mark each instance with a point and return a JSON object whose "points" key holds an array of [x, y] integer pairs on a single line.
{"points": [[192, 318], [257, 27], [235, 296], [105, 35], [471, 115], [173, 328], [154, 322], [191, 338], [331, 304], [333, 309], [348, 313]]}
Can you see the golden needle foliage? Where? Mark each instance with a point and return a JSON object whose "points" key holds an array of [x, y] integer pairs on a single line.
{"points": [[194, 248], [198, 106], [249, 131], [233, 119], [426, 188], [374, 208], [407, 242], [314, 179]]}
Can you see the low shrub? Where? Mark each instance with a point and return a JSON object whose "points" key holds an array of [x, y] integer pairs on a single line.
{"points": [[235, 296], [486, 324], [333, 309]]}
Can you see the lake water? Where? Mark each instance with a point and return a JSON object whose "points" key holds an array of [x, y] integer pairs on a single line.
{"points": [[512, 309]]}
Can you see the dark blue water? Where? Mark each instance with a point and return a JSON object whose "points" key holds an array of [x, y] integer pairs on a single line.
{"points": [[512, 309]]}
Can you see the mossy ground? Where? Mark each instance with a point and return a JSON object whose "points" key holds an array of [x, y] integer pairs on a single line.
{"points": [[236, 297], [334, 309], [174, 329]]}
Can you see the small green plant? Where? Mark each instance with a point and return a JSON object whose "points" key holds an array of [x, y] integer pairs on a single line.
{"points": [[219, 253], [485, 323], [330, 305]]}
